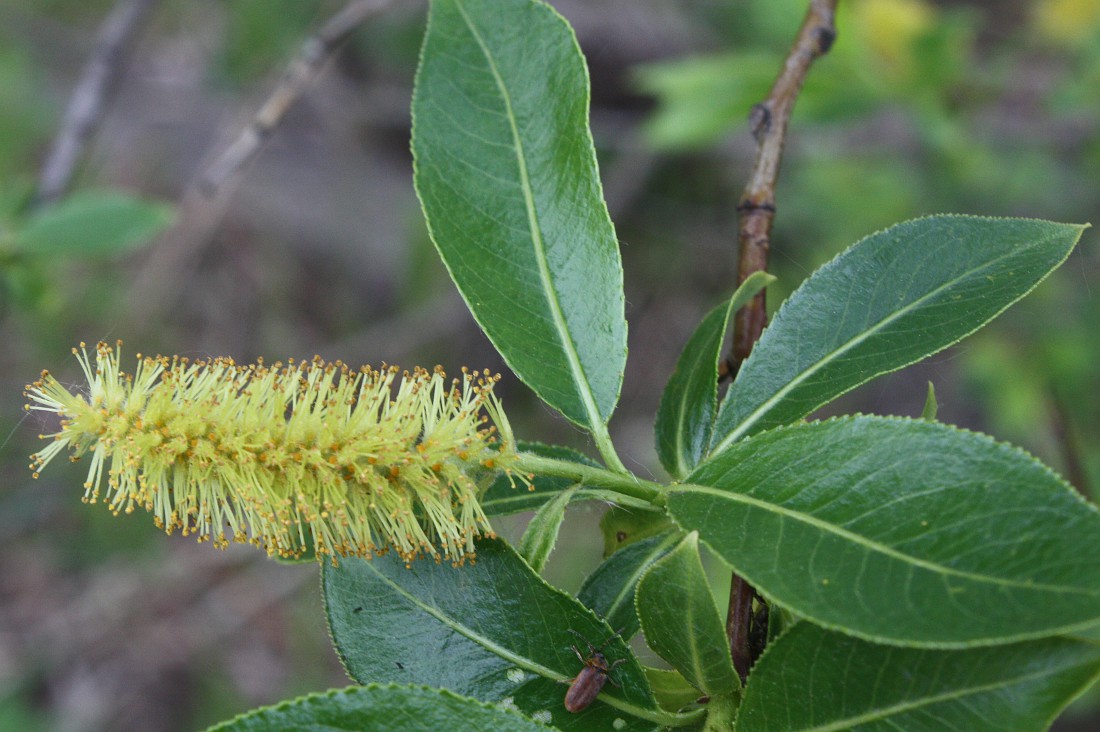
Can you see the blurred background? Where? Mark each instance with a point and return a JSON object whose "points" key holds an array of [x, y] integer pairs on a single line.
{"points": [[318, 247]]}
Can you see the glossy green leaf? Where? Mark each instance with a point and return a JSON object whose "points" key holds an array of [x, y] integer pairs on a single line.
{"points": [[92, 223], [899, 530], [609, 590], [541, 533], [849, 684], [506, 173], [888, 301], [681, 621], [685, 417], [378, 708], [492, 630], [506, 496]]}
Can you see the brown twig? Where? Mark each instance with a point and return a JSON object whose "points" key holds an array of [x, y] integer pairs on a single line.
{"points": [[302, 70], [739, 625], [769, 121], [206, 199], [89, 99]]}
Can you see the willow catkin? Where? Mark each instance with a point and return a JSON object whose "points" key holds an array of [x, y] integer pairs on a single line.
{"points": [[286, 457]]}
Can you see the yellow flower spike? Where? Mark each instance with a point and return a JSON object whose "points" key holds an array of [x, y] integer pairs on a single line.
{"points": [[286, 456]]}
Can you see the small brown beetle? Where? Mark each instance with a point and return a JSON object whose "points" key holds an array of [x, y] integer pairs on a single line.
{"points": [[586, 686]]}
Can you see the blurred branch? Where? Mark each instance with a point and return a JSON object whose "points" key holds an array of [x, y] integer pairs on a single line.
{"points": [[769, 121], [89, 100], [1062, 424], [302, 70], [205, 201], [118, 633]]}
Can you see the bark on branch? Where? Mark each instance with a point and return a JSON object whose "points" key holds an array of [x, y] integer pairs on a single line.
{"points": [[756, 211], [206, 199], [302, 70]]}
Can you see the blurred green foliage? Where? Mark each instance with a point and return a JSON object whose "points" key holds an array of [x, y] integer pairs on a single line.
{"points": [[261, 34]]}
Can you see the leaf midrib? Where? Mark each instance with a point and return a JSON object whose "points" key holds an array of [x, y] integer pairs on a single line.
{"points": [[580, 378], [652, 715], [754, 416], [469, 633], [886, 712], [809, 519]]}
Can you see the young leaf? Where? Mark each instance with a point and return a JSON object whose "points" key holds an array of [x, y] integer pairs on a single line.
{"points": [[506, 174], [609, 590], [681, 621], [92, 223], [903, 531], [856, 685], [686, 415], [888, 301], [542, 532], [931, 406], [389, 708], [492, 630]]}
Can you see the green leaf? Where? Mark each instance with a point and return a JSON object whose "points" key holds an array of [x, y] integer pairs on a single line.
{"points": [[506, 496], [888, 301], [701, 98], [671, 689], [492, 630], [506, 174], [609, 590], [686, 415], [376, 708], [931, 406], [542, 532], [92, 223], [681, 621], [903, 531], [856, 685]]}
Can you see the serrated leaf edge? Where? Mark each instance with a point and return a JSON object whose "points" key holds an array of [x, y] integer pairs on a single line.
{"points": [[544, 537], [693, 538], [330, 693]]}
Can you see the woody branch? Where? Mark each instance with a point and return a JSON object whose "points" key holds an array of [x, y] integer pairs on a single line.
{"points": [[756, 209]]}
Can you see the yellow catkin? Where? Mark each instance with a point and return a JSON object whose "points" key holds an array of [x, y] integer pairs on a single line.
{"points": [[286, 457]]}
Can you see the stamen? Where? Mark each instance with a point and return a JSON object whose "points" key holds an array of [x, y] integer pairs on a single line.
{"points": [[288, 458]]}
